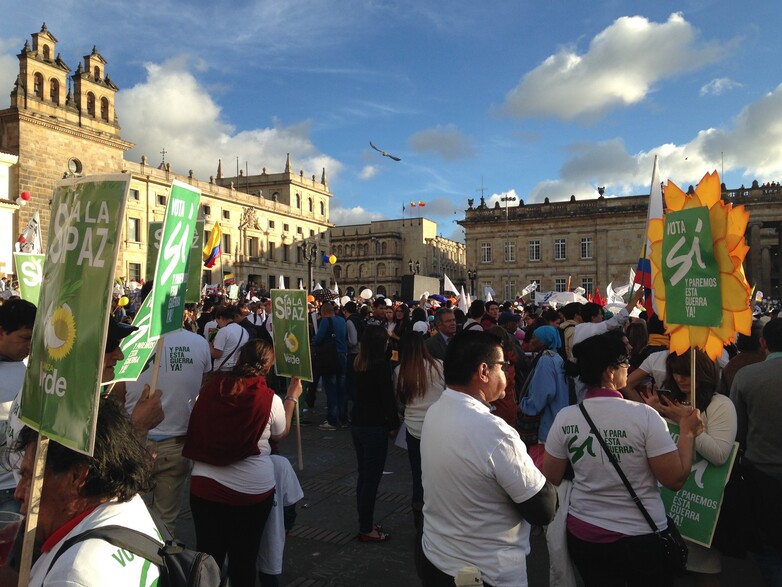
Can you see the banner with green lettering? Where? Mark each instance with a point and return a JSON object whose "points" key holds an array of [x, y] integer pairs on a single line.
{"points": [[690, 271], [168, 292], [138, 350], [62, 383], [194, 262], [696, 506], [29, 269], [290, 330]]}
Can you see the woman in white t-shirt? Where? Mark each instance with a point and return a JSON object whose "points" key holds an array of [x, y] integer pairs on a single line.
{"points": [[232, 483], [608, 538], [714, 445]]}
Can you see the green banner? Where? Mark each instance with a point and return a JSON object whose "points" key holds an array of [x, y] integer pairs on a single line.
{"points": [[29, 269], [696, 506], [138, 349], [290, 328], [168, 292], [194, 261], [690, 271], [62, 384]]}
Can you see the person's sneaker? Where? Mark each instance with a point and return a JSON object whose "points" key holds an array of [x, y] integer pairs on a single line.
{"points": [[327, 426]]}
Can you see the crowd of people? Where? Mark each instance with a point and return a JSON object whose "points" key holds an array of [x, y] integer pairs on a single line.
{"points": [[500, 408]]}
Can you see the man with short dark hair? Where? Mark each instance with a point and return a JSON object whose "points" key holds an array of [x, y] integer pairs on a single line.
{"points": [[445, 323], [492, 314], [756, 394], [572, 316], [483, 493]]}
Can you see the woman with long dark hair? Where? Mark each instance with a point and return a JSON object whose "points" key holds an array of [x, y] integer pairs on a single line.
{"points": [[374, 418], [418, 384], [608, 538], [232, 483]]}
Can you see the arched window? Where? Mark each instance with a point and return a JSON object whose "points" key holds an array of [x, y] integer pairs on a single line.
{"points": [[91, 104], [309, 203], [352, 250], [322, 209], [47, 54], [383, 248], [381, 290], [347, 271], [96, 73], [337, 272], [38, 86], [54, 91], [339, 251], [298, 201], [104, 109], [381, 269], [362, 271]]}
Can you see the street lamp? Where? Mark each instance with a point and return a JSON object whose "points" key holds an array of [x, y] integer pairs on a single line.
{"points": [[472, 275], [507, 199], [310, 252]]}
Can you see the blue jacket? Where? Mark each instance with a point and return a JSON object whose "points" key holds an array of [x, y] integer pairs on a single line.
{"points": [[339, 328]]}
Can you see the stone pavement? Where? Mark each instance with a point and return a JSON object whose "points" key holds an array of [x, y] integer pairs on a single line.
{"points": [[322, 549]]}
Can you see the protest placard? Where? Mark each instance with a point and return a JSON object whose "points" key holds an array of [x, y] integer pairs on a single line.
{"points": [[29, 269], [155, 232], [290, 330], [61, 388]]}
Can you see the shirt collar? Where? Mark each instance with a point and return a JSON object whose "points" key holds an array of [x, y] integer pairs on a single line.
{"points": [[776, 355], [602, 392], [63, 530]]}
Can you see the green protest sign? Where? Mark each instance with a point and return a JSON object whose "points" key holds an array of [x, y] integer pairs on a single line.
{"points": [[29, 268], [291, 333], [168, 292], [62, 383], [690, 271], [194, 262], [137, 348], [696, 506]]}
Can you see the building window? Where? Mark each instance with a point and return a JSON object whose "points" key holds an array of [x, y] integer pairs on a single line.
{"points": [[207, 210], [252, 246], [322, 209], [510, 290], [161, 199], [226, 214], [299, 230], [510, 253], [134, 230], [96, 73], [134, 194], [104, 109], [227, 244], [270, 251], [309, 204], [586, 247], [534, 250], [54, 91], [47, 53], [560, 249], [38, 86], [298, 201], [312, 232], [588, 285], [286, 227], [560, 284], [271, 223], [134, 271], [485, 252], [91, 104], [286, 253]]}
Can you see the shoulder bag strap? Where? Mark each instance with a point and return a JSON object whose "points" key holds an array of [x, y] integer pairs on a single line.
{"points": [[238, 344], [612, 458], [525, 386]]}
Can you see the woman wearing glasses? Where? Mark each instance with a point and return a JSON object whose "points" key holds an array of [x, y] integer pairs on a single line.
{"points": [[608, 538]]}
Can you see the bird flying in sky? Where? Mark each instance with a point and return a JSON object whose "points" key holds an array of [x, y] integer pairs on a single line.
{"points": [[383, 152]]}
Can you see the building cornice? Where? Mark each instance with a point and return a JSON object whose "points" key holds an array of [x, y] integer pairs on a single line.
{"points": [[66, 128]]}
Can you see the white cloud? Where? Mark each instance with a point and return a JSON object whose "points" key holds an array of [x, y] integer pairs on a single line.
{"points": [[172, 109], [719, 86], [447, 141], [496, 199], [368, 172], [9, 68], [621, 67], [752, 146], [356, 215]]}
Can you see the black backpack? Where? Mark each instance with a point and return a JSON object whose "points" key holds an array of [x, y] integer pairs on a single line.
{"points": [[359, 323], [178, 566]]}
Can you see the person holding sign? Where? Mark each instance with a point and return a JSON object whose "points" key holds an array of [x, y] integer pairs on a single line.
{"points": [[714, 444], [232, 483], [609, 539]]}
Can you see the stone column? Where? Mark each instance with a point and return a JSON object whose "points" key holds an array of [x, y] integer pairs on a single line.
{"points": [[754, 253], [764, 279]]}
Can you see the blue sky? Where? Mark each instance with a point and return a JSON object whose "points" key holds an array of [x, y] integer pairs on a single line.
{"points": [[531, 99]]}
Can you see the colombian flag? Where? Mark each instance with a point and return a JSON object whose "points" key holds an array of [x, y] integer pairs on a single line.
{"points": [[229, 279], [212, 248]]}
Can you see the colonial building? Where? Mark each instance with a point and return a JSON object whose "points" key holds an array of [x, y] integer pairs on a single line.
{"points": [[62, 124], [591, 242], [376, 255]]}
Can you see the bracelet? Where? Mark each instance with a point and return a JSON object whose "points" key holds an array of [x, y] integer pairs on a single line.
{"points": [[293, 399]]}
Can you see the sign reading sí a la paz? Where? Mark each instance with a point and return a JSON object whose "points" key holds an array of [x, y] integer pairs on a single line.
{"points": [[193, 293], [690, 315], [695, 507], [62, 382], [29, 269], [290, 331], [168, 291]]}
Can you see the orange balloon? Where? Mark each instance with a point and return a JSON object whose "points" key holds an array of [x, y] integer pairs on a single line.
{"points": [[310, 299]]}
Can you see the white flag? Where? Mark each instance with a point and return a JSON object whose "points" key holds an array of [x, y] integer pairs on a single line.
{"points": [[448, 285], [529, 289], [463, 301], [30, 239], [282, 282], [488, 293]]}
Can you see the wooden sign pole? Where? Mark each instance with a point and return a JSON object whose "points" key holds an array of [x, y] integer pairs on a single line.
{"points": [[33, 507]]}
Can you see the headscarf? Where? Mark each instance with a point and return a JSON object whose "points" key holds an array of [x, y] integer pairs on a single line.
{"points": [[548, 337]]}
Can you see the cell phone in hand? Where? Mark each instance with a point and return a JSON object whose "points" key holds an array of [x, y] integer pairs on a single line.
{"points": [[670, 395]]}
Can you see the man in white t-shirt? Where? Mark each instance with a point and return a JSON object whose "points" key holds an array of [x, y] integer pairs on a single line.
{"points": [[16, 331], [228, 341], [186, 358], [482, 491]]}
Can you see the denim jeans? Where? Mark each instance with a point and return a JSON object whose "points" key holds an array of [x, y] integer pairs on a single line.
{"points": [[414, 455], [336, 395], [371, 443]]}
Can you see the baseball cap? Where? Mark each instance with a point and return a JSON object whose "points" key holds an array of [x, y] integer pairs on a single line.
{"points": [[117, 331], [506, 317]]}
